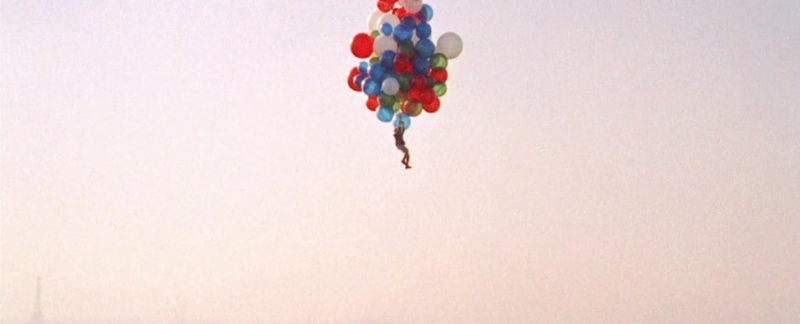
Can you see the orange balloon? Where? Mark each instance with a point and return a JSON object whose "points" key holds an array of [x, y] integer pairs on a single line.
{"points": [[412, 108]]}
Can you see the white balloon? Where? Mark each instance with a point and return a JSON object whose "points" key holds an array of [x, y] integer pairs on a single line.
{"points": [[388, 18], [384, 43], [450, 44], [413, 6], [390, 86], [372, 20]]}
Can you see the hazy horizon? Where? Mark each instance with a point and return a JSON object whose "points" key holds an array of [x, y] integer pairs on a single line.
{"points": [[592, 162]]}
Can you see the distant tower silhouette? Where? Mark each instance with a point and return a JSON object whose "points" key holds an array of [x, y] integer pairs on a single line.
{"points": [[37, 317]]}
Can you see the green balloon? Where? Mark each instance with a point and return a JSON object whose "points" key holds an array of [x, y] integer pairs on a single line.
{"points": [[408, 49], [375, 60], [440, 89], [439, 61], [398, 105], [375, 34], [405, 82], [387, 100]]}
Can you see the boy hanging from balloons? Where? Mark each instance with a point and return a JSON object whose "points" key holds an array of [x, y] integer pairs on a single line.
{"points": [[405, 72], [400, 143]]}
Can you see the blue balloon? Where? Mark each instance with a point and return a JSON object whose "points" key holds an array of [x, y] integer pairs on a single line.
{"points": [[405, 119], [426, 14], [377, 72], [387, 60], [424, 30], [422, 65], [387, 29], [363, 67], [409, 22], [360, 80], [372, 87], [403, 34], [385, 114], [425, 48]]}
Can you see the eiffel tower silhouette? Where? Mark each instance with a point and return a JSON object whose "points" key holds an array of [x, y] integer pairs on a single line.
{"points": [[37, 317]]}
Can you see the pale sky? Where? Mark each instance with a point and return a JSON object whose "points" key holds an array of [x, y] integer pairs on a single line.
{"points": [[593, 162]]}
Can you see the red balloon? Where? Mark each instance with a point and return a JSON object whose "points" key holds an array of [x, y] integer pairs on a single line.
{"points": [[439, 74], [386, 5], [433, 106], [421, 81], [400, 13], [351, 80], [403, 64], [362, 46], [427, 96], [415, 93], [373, 103]]}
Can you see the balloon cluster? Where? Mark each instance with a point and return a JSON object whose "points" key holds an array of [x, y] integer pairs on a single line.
{"points": [[406, 72]]}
